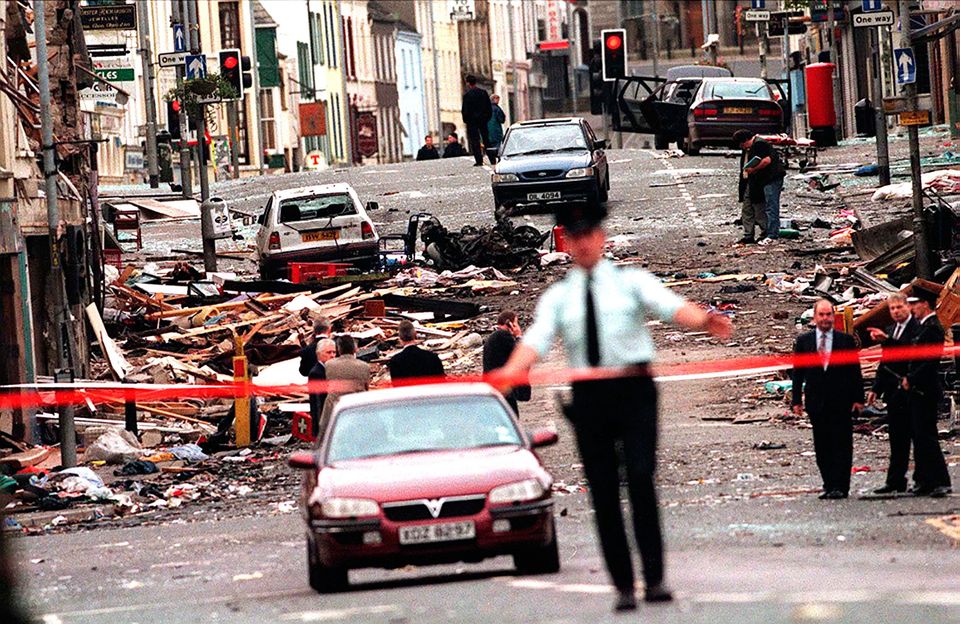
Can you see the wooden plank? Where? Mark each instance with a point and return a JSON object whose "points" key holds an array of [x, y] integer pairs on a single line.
{"points": [[175, 416], [221, 307], [118, 364]]}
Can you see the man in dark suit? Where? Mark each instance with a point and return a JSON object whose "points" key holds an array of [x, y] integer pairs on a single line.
{"points": [[326, 351], [308, 354], [922, 382], [887, 386], [476, 111], [497, 349], [412, 361], [831, 393]]}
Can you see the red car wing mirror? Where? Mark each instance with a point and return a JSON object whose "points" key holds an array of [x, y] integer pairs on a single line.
{"points": [[302, 460], [543, 437]]}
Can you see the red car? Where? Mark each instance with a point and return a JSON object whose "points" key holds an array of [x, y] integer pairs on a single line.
{"points": [[423, 475]]}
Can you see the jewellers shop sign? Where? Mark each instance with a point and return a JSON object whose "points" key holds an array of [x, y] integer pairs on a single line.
{"points": [[109, 17]]}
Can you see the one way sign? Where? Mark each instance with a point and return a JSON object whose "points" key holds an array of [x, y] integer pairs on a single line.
{"points": [[196, 66], [906, 65], [179, 40]]}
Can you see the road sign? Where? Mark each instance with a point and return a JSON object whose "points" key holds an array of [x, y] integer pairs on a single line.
{"points": [[109, 17], [861, 20], [915, 118], [758, 4], [757, 16], [171, 59], [196, 66], [179, 39], [871, 5], [115, 74], [906, 65]]}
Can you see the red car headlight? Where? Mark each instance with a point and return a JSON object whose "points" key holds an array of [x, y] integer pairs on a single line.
{"points": [[518, 492], [349, 508]]}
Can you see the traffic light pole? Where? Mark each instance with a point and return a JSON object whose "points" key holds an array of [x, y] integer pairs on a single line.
{"points": [[209, 244], [149, 80], [883, 154], [233, 121], [922, 249], [186, 175]]}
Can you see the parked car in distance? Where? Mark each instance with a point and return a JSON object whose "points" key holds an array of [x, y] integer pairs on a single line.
{"points": [[423, 475], [722, 106], [663, 112], [547, 161], [324, 223]]}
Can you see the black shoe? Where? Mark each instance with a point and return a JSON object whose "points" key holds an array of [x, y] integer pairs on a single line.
{"points": [[920, 490], [940, 492], [832, 495], [478, 164], [746, 240], [657, 593], [891, 489], [626, 600]]}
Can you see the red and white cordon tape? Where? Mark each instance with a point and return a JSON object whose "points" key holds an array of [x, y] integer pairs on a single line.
{"points": [[47, 395]]}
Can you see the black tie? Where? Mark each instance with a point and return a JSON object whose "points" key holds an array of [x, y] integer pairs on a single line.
{"points": [[593, 339]]}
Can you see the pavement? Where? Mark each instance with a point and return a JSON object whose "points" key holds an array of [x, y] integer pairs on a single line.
{"points": [[747, 539]]}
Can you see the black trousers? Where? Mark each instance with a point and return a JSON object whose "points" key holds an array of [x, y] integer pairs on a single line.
{"points": [[833, 444], [513, 403], [930, 467], [899, 430], [625, 410], [477, 134]]}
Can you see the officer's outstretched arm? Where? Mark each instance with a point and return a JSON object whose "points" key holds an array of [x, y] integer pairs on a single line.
{"points": [[696, 318]]}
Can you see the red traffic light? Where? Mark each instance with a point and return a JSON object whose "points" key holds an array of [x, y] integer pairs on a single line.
{"points": [[230, 62], [175, 105], [613, 42]]}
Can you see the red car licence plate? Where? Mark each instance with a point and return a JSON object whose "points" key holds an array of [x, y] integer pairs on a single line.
{"points": [[442, 532]]}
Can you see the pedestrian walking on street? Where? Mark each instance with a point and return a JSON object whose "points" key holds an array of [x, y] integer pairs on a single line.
{"points": [[453, 149], [344, 367], [497, 349], [763, 167], [429, 150], [308, 354], [922, 382], [600, 313], [495, 128], [753, 207], [887, 385], [476, 111], [413, 361], [831, 394], [326, 351]]}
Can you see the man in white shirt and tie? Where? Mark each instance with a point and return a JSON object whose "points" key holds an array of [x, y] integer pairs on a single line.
{"points": [[887, 386], [600, 311], [831, 392]]}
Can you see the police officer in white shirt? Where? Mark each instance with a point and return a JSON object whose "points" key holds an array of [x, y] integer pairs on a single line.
{"points": [[600, 311]]}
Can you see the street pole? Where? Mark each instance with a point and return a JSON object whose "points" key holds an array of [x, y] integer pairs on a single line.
{"points": [[883, 156], [619, 134], [837, 100], [209, 244], [571, 50], [513, 63], [61, 316], [656, 41], [149, 80], [922, 250], [348, 109], [762, 43], [186, 175], [786, 73], [436, 72], [233, 121], [255, 71]]}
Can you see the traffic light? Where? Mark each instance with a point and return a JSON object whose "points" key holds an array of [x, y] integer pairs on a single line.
{"points": [[235, 69], [597, 86], [614, 43], [173, 119]]}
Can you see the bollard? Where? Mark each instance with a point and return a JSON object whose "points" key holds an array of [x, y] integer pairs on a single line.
{"points": [[241, 404]]}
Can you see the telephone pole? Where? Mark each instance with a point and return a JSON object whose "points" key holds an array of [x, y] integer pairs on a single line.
{"points": [[149, 80], [61, 316], [922, 250]]}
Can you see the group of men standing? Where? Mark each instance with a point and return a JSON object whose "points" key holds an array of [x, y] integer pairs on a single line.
{"points": [[484, 120], [831, 390]]}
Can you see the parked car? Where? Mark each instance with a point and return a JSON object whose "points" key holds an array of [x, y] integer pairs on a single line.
{"points": [[663, 112], [548, 161], [315, 224], [724, 105], [424, 475]]}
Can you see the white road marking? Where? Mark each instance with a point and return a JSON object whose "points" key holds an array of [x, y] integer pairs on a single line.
{"points": [[328, 615], [677, 175]]}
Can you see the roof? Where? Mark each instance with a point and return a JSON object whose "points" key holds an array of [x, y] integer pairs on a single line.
{"points": [[697, 71], [411, 393], [261, 16], [558, 121], [339, 187]]}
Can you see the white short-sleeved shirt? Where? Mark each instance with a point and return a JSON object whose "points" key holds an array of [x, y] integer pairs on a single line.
{"points": [[624, 298]]}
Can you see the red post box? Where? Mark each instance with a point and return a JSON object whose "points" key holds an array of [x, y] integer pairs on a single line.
{"points": [[821, 114]]}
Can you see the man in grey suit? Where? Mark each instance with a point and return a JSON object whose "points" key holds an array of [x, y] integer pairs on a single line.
{"points": [[346, 368]]}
